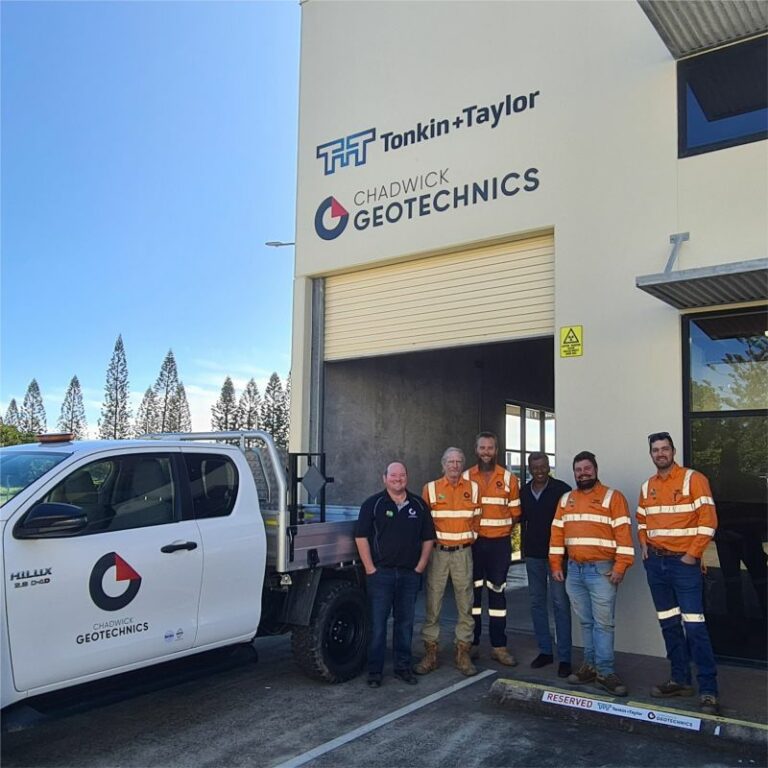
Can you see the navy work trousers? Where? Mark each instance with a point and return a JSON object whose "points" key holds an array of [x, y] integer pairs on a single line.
{"points": [[490, 564], [676, 588]]}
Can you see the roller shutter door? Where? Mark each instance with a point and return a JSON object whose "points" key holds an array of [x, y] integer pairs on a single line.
{"points": [[495, 293]]}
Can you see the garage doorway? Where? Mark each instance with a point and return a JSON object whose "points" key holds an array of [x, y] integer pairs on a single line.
{"points": [[412, 406]]}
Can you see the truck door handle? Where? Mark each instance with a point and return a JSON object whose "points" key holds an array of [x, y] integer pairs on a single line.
{"points": [[175, 547]]}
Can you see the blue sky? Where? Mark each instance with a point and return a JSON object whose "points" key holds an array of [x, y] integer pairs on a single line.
{"points": [[148, 151]]}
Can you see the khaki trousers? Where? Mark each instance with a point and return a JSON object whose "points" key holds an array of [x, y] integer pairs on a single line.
{"points": [[457, 565]]}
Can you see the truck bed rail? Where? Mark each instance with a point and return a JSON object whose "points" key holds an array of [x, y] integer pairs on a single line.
{"points": [[299, 536]]}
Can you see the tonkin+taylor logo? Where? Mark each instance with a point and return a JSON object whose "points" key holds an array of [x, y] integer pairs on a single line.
{"points": [[342, 152], [123, 572], [338, 214]]}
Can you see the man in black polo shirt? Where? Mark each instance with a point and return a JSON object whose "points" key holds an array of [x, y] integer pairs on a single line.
{"points": [[394, 536], [538, 499]]}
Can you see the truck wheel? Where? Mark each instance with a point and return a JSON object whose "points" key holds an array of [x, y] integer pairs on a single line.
{"points": [[333, 646]]}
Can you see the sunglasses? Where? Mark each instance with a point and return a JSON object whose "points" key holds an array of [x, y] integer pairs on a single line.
{"points": [[654, 436]]}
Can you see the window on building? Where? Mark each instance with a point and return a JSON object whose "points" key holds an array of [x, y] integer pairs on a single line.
{"points": [[726, 438], [529, 429], [722, 98]]}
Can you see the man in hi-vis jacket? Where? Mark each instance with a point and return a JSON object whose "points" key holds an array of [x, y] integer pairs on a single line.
{"points": [[592, 523]]}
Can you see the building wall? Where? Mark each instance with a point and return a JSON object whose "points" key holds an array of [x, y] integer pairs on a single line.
{"points": [[603, 136]]}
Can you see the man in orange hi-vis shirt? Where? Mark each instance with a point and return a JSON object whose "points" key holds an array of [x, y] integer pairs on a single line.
{"points": [[492, 551], [676, 520], [592, 523], [455, 505]]}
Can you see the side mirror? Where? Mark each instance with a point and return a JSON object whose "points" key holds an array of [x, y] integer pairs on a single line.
{"points": [[49, 520]]}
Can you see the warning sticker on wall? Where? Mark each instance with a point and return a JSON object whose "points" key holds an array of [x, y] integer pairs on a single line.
{"points": [[571, 341]]}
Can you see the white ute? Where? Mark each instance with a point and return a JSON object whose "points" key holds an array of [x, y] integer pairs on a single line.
{"points": [[118, 555]]}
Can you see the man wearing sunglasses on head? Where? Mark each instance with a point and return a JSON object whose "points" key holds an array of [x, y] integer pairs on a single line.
{"points": [[676, 520]]}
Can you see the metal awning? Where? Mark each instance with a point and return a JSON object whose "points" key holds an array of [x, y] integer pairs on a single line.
{"points": [[733, 283], [688, 27]]}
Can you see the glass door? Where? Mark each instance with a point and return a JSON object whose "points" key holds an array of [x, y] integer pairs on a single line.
{"points": [[726, 405]]}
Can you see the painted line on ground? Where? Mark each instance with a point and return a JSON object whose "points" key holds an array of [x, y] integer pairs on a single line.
{"points": [[340, 741]]}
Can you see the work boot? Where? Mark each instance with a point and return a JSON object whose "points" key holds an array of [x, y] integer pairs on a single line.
{"points": [[611, 683], [708, 703], [463, 662], [667, 690], [406, 675], [430, 662], [584, 674], [503, 656]]}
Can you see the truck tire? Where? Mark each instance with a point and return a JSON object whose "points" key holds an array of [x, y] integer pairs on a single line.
{"points": [[333, 646]]}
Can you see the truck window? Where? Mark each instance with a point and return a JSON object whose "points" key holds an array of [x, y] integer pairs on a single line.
{"points": [[20, 469], [213, 482], [121, 492]]}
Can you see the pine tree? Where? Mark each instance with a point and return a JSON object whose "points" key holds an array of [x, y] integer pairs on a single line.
{"points": [[166, 391], [114, 423], [32, 415], [12, 417], [146, 418], [72, 416], [10, 435], [224, 414], [274, 417], [182, 405], [249, 407]]}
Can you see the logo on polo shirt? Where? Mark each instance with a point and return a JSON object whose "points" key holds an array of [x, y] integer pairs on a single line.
{"points": [[411, 512]]}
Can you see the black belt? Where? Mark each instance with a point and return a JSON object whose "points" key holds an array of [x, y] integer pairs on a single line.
{"points": [[661, 552], [443, 548]]}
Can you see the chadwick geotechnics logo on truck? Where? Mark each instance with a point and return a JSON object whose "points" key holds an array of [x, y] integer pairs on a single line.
{"points": [[123, 572], [111, 629]]}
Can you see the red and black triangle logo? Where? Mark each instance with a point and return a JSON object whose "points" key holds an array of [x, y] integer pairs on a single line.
{"points": [[123, 572]]}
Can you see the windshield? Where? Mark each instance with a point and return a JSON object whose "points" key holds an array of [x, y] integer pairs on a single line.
{"points": [[20, 469]]}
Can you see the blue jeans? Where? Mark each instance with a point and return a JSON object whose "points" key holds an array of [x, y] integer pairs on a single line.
{"points": [[593, 598], [676, 589], [391, 589], [538, 576]]}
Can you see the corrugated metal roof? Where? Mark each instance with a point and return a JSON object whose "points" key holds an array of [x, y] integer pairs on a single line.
{"points": [[688, 27], [709, 286]]}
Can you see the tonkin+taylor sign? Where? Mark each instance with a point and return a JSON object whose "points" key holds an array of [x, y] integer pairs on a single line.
{"points": [[404, 199]]}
